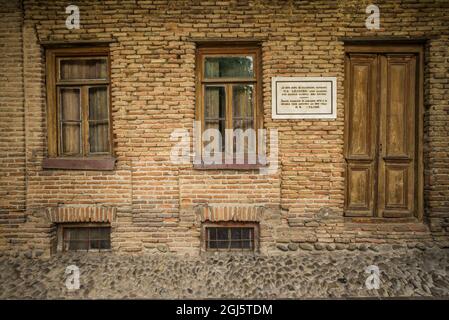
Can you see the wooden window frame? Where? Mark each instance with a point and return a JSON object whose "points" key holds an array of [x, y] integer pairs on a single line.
{"points": [[401, 46], [86, 161], [228, 224], [228, 49], [60, 235]]}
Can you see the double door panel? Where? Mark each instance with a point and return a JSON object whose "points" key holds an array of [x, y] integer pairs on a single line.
{"points": [[380, 137]]}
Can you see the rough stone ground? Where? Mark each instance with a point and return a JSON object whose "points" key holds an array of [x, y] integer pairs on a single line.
{"points": [[404, 273]]}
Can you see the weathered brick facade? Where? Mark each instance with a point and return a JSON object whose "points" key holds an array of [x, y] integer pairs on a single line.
{"points": [[156, 205]]}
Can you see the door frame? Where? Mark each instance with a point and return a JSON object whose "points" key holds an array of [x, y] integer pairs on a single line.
{"points": [[394, 46]]}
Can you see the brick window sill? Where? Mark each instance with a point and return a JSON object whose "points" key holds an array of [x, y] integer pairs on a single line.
{"points": [[227, 166], [100, 164]]}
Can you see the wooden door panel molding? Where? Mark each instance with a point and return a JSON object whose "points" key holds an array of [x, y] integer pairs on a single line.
{"points": [[363, 75], [397, 188], [396, 111], [400, 108], [383, 131], [359, 189]]}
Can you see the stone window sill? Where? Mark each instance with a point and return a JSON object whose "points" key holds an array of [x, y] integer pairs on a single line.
{"points": [[100, 164]]}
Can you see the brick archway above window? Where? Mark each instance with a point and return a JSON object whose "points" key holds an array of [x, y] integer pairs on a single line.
{"points": [[81, 214], [230, 213]]}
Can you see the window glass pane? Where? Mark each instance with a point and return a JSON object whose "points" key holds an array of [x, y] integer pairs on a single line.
{"points": [[101, 233], [210, 237], [246, 244], [236, 244], [212, 233], [223, 244], [222, 233], [246, 233], [242, 101], [242, 140], [76, 234], [98, 137], [70, 104], [78, 245], [218, 238], [218, 125], [212, 245], [242, 108], [70, 117], [105, 244], [215, 102], [229, 67], [98, 103], [243, 124], [236, 233], [95, 233], [71, 142], [83, 68], [215, 111], [235, 238], [94, 244], [105, 233], [98, 119]]}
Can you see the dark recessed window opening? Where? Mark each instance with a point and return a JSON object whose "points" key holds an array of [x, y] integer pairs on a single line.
{"points": [[86, 238], [230, 238]]}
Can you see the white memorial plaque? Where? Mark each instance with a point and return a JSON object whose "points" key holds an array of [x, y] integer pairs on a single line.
{"points": [[304, 97]]}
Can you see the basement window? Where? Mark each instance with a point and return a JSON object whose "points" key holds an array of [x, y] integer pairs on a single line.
{"points": [[84, 237], [231, 237]]}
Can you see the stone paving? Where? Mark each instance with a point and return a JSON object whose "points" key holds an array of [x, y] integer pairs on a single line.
{"points": [[339, 274]]}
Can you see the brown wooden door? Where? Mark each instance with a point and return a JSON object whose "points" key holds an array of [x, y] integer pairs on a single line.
{"points": [[380, 136]]}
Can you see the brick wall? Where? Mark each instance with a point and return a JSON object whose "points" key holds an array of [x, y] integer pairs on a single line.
{"points": [[12, 122], [153, 93]]}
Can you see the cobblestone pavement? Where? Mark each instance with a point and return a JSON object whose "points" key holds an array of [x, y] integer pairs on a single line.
{"points": [[404, 273]]}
